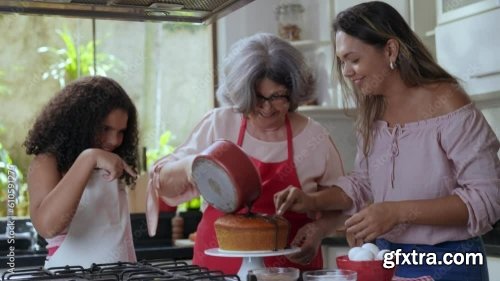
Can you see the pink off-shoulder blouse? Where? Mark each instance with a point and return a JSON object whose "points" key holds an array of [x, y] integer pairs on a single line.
{"points": [[451, 154]]}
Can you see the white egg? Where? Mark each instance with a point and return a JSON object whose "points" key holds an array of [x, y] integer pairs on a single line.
{"points": [[380, 255], [363, 255], [352, 252], [371, 247]]}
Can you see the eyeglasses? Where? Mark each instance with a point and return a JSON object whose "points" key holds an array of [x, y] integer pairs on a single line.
{"points": [[274, 99]]}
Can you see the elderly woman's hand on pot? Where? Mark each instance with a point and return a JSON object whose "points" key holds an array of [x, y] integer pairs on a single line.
{"points": [[176, 177]]}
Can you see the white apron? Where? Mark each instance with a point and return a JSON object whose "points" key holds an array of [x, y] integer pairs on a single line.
{"points": [[100, 231]]}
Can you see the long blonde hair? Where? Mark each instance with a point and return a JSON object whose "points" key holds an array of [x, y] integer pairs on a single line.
{"points": [[375, 23]]}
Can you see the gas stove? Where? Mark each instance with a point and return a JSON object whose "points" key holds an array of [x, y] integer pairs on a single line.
{"points": [[123, 271]]}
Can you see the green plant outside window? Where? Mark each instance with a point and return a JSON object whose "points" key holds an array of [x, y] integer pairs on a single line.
{"points": [[4, 90], [73, 61], [165, 148], [19, 187]]}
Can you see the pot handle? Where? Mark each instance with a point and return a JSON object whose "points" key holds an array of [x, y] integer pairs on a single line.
{"points": [[251, 276]]}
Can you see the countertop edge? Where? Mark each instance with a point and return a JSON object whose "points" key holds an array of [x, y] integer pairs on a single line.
{"points": [[491, 250], [149, 253]]}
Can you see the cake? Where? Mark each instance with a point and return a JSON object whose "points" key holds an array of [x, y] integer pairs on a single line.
{"points": [[251, 232]]}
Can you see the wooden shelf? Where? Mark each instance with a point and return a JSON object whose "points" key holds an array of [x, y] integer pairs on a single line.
{"points": [[307, 45], [317, 111], [486, 100], [430, 33]]}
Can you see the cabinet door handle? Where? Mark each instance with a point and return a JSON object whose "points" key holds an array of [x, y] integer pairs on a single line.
{"points": [[484, 74]]}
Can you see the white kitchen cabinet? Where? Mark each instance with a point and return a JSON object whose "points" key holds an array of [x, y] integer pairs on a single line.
{"points": [[450, 10], [318, 54], [468, 48], [341, 129], [330, 254], [309, 45], [403, 6], [419, 14], [259, 16]]}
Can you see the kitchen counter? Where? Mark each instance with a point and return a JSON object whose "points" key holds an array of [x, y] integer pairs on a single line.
{"points": [[492, 248], [335, 246], [158, 247], [24, 258]]}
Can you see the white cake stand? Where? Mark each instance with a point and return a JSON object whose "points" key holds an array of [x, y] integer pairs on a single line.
{"points": [[251, 259]]}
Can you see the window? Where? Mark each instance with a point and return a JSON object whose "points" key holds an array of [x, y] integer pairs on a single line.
{"points": [[166, 68]]}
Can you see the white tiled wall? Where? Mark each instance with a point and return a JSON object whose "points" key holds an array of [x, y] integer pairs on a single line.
{"points": [[341, 130]]}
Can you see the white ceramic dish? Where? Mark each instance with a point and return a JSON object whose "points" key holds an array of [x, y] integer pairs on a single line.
{"points": [[223, 253], [183, 243], [251, 259]]}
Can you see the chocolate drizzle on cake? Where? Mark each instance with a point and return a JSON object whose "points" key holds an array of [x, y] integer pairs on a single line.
{"points": [[249, 231], [272, 220]]}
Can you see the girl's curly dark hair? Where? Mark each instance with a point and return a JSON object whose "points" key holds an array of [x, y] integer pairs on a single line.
{"points": [[72, 119]]}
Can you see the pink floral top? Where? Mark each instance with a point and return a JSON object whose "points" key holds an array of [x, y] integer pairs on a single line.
{"points": [[451, 154]]}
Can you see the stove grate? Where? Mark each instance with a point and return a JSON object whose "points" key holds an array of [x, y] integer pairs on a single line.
{"points": [[146, 270]]}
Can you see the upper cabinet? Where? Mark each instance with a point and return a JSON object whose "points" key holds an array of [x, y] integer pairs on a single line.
{"points": [[315, 36], [473, 56], [401, 5], [419, 14], [314, 43], [467, 46], [450, 10]]}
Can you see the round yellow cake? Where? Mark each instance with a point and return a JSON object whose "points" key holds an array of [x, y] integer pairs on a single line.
{"points": [[252, 232]]}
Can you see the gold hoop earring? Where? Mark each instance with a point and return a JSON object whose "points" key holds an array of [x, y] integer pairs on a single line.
{"points": [[391, 65]]}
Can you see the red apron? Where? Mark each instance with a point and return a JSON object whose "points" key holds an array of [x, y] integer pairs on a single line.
{"points": [[275, 177]]}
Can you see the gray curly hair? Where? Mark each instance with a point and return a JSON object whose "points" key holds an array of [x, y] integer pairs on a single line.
{"points": [[262, 56]]}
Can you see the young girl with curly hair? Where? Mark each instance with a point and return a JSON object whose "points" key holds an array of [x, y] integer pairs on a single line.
{"points": [[85, 146]]}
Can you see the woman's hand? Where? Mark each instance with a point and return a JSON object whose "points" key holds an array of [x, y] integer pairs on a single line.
{"points": [[175, 177], [293, 199], [112, 164], [308, 238], [371, 222], [352, 241]]}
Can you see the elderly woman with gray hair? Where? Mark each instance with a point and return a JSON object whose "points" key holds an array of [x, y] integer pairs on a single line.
{"points": [[264, 81]]}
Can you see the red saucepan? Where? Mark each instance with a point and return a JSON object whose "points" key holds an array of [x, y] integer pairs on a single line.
{"points": [[226, 177]]}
